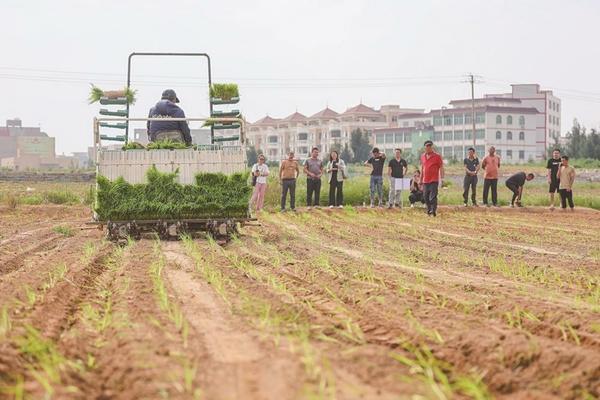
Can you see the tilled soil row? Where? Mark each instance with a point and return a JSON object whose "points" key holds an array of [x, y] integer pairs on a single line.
{"points": [[34, 353], [97, 333], [132, 348]]}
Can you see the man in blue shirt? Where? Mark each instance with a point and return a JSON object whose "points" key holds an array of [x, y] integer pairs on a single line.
{"points": [[178, 131]]}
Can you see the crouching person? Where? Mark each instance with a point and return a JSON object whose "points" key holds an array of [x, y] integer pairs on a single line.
{"points": [[516, 183], [416, 189]]}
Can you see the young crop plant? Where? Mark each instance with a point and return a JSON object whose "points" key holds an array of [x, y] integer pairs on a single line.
{"points": [[171, 309], [439, 376], [64, 230], [515, 318], [55, 276], [568, 331], [5, 322], [162, 197], [43, 360]]}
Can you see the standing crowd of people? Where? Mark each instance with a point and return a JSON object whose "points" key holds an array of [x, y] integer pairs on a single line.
{"points": [[424, 184]]}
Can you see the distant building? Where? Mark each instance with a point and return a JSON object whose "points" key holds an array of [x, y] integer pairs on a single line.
{"points": [[549, 106], [325, 130], [23, 148], [83, 158], [521, 125]]}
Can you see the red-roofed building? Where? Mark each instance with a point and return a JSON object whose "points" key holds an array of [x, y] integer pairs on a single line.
{"points": [[520, 124], [325, 114]]}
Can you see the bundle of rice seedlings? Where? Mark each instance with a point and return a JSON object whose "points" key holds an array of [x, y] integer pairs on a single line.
{"points": [[96, 94], [162, 197], [166, 144], [133, 146], [224, 91]]}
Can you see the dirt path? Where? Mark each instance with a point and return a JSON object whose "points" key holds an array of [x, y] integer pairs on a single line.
{"points": [[240, 364]]}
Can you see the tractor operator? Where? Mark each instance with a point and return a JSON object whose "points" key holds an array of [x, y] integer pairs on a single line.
{"points": [[178, 131]]}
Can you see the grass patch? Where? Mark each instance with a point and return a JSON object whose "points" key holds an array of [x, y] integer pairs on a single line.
{"points": [[63, 230], [61, 197], [33, 200]]}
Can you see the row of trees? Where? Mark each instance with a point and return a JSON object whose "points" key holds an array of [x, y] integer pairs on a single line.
{"points": [[580, 143]]}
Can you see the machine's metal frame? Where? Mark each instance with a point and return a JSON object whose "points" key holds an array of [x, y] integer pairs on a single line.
{"points": [[134, 54]]}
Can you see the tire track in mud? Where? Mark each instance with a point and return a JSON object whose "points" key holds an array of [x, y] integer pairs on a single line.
{"points": [[16, 261], [564, 358], [239, 365]]}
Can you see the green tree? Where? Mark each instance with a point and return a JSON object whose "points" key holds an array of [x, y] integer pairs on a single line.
{"points": [[359, 141], [252, 155], [581, 144], [346, 154]]}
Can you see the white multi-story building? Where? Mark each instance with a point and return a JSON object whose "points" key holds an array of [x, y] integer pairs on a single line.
{"points": [[549, 107], [521, 125]]}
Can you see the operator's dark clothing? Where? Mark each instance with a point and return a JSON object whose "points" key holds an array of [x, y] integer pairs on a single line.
{"points": [[166, 108]]}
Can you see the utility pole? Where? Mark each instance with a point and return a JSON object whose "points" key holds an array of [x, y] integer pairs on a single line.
{"points": [[472, 81]]}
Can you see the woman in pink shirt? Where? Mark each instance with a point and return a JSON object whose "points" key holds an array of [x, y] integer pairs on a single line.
{"points": [[491, 165]]}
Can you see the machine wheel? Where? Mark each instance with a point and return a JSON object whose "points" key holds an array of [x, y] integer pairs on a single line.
{"points": [[121, 231], [169, 231]]}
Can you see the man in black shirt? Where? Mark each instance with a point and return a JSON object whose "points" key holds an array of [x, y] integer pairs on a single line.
{"points": [[515, 183], [397, 168], [471, 169], [377, 162], [552, 174]]}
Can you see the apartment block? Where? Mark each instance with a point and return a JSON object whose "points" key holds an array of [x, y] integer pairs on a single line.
{"points": [[514, 123]]}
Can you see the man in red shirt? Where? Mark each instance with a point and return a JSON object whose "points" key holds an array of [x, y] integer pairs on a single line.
{"points": [[432, 166]]}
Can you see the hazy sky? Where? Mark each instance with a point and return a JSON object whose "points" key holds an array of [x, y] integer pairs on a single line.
{"points": [[288, 55]]}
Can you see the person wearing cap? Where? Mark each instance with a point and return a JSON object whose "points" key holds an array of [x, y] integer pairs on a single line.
{"points": [[432, 166], [178, 131], [471, 163]]}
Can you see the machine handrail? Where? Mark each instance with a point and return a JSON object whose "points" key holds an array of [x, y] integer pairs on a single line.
{"points": [[97, 140]]}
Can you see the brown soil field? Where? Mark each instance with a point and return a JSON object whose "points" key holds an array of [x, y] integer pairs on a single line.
{"points": [[344, 304]]}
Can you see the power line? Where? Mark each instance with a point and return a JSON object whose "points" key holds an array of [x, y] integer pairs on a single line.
{"points": [[270, 85], [336, 78]]}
